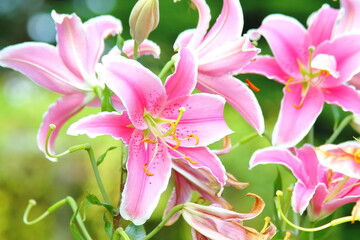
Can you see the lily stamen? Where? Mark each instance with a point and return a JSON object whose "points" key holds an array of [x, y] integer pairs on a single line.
{"points": [[146, 170], [252, 86]]}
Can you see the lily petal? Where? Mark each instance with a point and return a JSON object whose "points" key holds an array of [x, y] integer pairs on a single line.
{"points": [[293, 123], [72, 43], [203, 117], [142, 191], [237, 94], [137, 87], [183, 81], [286, 45], [346, 97], [228, 25], [204, 159], [96, 30], [322, 25], [227, 58], [32, 60], [268, 67], [349, 19], [104, 123], [347, 58], [203, 23], [183, 39], [301, 197], [58, 114]]}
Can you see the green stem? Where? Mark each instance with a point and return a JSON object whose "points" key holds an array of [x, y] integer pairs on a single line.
{"points": [[97, 174], [339, 129], [311, 136], [105, 98], [136, 50], [117, 218], [166, 68], [164, 221], [52, 208], [121, 233]]}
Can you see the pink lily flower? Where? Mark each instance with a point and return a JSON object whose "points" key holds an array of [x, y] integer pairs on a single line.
{"points": [[313, 67], [343, 158], [221, 53], [67, 69], [187, 179], [161, 122], [213, 222], [318, 189]]}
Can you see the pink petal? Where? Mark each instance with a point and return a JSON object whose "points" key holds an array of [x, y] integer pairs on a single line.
{"points": [[277, 155], [268, 67], [227, 58], [147, 47], [293, 124], [348, 21], [96, 30], [343, 96], [183, 81], [288, 46], [204, 159], [347, 58], [104, 123], [72, 43], [204, 117], [181, 194], [183, 39], [142, 192], [58, 114], [42, 64], [228, 25], [340, 158], [237, 94], [137, 87], [322, 25], [203, 23], [301, 197], [325, 62]]}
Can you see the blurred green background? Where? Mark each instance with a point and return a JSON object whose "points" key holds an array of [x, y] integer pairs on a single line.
{"points": [[26, 174]]}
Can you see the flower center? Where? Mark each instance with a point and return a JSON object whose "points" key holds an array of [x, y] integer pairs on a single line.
{"points": [[162, 130], [311, 78]]}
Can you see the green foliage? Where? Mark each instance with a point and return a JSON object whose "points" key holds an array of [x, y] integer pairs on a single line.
{"points": [[135, 232], [102, 157], [95, 201]]}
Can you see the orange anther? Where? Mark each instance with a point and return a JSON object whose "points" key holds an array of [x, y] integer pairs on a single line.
{"points": [[287, 84], [149, 140], [252, 86], [146, 170], [177, 140], [252, 60], [196, 138], [190, 160], [325, 72], [296, 106]]}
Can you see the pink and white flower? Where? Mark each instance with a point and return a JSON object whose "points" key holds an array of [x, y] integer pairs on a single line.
{"points": [[161, 122], [67, 69], [313, 66], [318, 188]]}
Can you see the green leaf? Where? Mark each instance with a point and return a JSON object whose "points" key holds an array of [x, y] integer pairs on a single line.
{"points": [[94, 200], [108, 227], [102, 157], [106, 103], [277, 182], [135, 232]]}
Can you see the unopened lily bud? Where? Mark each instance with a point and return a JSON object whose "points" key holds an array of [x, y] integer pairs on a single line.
{"points": [[355, 123], [144, 18]]}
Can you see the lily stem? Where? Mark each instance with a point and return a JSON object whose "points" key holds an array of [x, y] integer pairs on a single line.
{"points": [[339, 129], [121, 233], [164, 221], [166, 68]]}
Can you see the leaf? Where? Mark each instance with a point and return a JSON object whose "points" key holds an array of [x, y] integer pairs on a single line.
{"points": [[94, 200], [102, 157], [135, 232], [120, 42], [106, 103], [336, 115], [108, 227]]}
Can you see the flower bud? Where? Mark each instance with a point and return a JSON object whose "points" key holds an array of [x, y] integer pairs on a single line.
{"points": [[144, 18]]}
